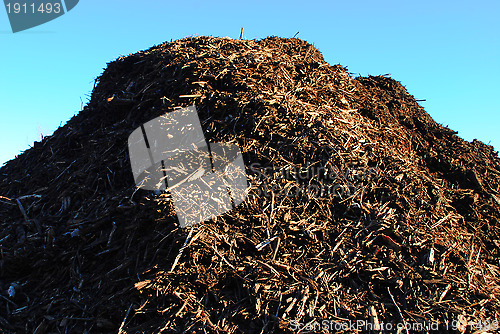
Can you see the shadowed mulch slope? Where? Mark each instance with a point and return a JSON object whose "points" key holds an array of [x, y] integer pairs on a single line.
{"points": [[409, 231]]}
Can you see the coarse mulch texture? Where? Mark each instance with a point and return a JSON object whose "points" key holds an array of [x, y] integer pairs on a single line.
{"points": [[360, 206]]}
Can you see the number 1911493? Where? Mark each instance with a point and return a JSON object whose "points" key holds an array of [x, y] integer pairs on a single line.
{"points": [[23, 8]]}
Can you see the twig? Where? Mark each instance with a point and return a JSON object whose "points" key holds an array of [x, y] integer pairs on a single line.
{"points": [[58, 176], [22, 210], [374, 319], [442, 220], [265, 243], [120, 330], [111, 234], [276, 249], [224, 259], [5, 198], [182, 249], [399, 310]]}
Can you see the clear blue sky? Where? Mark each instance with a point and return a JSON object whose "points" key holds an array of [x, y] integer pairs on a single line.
{"points": [[446, 52]]}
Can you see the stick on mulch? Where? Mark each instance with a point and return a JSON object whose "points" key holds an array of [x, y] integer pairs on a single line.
{"points": [[407, 232]]}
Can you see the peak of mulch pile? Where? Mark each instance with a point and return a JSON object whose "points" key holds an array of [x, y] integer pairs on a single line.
{"points": [[409, 234]]}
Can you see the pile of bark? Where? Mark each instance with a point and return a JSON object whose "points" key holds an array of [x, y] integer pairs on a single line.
{"points": [[360, 206]]}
